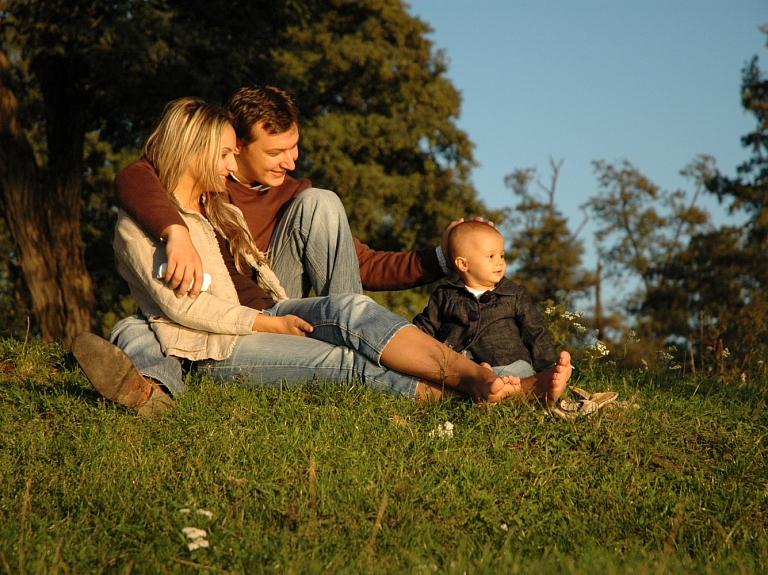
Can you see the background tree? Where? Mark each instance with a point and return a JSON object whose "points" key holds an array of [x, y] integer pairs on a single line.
{"points": [[641, 230], [545, 255], [379, 120]]}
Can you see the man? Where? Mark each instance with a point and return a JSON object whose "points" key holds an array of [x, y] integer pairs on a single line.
{"points": [[304, 229]]}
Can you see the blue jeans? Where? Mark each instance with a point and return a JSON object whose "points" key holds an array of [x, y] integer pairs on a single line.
{"points": [[311, 247], [350, 333], [519, 368]]}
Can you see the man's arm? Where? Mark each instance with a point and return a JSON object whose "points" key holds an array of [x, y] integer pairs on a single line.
{"points": [[388, 271], [139, 192]]}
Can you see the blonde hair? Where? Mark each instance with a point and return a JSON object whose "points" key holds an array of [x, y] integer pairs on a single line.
{"points": [[190, 137], [460, 235]]}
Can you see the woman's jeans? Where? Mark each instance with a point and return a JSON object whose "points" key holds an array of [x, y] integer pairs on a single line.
{"points": [[350, 333]]}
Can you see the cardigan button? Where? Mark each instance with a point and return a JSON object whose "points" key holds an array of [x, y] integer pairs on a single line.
{"points": [[485, 298], [474, 315]]}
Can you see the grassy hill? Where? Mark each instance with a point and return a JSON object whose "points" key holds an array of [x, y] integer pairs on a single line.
{"points": [[336, 479]]}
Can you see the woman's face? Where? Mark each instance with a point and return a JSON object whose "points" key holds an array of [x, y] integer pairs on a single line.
{"points": [[227, 163]]}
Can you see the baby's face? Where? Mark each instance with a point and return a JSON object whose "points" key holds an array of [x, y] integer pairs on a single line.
{"points": [[484, 261]]}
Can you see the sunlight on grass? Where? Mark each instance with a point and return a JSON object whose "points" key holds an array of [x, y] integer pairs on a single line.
{"points": [[338, 479]]}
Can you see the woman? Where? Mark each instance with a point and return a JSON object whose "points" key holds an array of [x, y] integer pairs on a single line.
{"points": [[244, 326]]}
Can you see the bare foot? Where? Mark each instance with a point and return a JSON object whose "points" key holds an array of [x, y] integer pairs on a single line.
{"points": [[502, 388], [549, 385]]}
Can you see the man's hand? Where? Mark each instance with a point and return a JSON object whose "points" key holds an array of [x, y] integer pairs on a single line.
{"points": [[286, 325], [184, 263], [447, 232]]}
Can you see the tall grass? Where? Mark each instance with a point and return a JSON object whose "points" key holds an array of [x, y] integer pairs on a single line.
{"points": [[337, 479]]}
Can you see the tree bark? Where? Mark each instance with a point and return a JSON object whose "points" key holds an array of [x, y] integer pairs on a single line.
{"points": [[43, 214]]}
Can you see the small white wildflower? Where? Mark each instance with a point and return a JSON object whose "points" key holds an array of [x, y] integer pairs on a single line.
{"points": [[504, 527], [601, 347], [208, 514], [726, 353], [442, 431], [569, 316], [185, 510], [549, 311], [197, 544], [743, 378], [675, 367], [631, 334], [194, 532], [580, 328], [760, 362], [197, 536]]}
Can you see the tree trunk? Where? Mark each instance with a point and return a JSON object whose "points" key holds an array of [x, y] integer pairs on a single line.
{"points": [[44, 216]]}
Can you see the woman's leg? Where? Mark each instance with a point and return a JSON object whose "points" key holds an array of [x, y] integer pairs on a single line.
{"points": [[274, 359], [387, 339]]}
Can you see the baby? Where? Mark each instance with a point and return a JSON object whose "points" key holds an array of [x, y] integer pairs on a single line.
{"points": [[488, 317]]}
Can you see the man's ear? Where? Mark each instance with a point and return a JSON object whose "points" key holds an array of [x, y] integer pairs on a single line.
{"points": [[460, 264], [239, 146]]}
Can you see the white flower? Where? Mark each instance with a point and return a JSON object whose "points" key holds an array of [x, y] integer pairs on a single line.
{"points": [[443, 430], [580, 328], [743, 378], [549, 311], [198, 537], [601, 347], [726, 353], [197, 544], [194, 532], [208, 514]]}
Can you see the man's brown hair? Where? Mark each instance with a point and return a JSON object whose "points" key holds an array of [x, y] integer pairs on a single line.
{"points": [[271, 108]]}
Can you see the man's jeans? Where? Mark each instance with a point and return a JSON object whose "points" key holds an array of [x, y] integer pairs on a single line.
{"points": [[312, 247]]}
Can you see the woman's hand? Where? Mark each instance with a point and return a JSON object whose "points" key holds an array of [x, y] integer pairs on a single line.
{"points": [[286, 325]]}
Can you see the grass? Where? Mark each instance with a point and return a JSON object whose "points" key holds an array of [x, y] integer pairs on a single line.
{"points": [[336, 479]]}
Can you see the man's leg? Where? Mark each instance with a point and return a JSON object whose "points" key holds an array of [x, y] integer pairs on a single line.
{"points": [[135, 337], [312, 247]]}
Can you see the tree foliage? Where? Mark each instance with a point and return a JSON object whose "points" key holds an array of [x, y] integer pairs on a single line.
{"points": [[83, 82], [545, 254]]}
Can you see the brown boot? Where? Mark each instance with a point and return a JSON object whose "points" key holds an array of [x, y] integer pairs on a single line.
{"points": [[115, 377]]}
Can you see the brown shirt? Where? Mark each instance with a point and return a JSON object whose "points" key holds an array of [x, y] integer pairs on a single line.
{"points": [[139, 192], [249, 292]]}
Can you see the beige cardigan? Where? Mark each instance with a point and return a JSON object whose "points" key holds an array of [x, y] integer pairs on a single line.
{"points": [[206, 327]]}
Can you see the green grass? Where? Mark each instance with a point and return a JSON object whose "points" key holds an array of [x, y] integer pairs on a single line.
{"points": [[337, 479]]}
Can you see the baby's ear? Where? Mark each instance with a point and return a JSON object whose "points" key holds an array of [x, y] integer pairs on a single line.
{"points": [[460, 264]]}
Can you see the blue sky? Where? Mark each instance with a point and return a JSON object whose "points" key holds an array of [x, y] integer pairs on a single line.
{"points": [[656, 82]]}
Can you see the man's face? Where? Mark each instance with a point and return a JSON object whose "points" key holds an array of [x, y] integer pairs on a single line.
{"points": [[267, 159]]}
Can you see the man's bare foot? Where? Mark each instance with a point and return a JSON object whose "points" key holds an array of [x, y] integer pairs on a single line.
{"points": [[549, 385]]}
